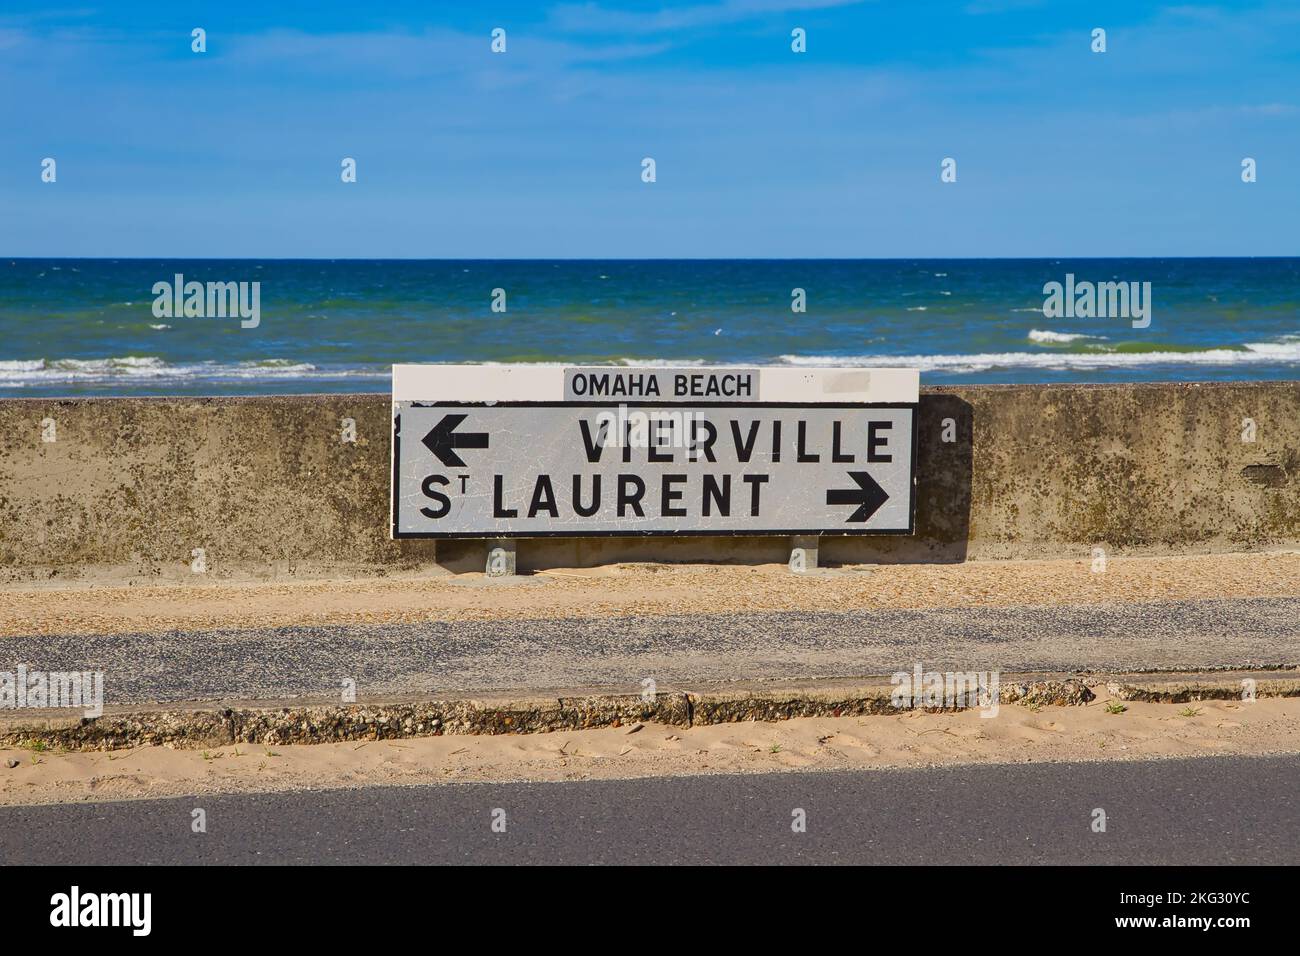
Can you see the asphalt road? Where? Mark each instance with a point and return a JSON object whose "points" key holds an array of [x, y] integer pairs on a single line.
{"points": [[1209, 810], [442, 657]]}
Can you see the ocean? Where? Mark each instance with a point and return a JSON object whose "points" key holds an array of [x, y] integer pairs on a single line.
{"points": [[88, 326]]}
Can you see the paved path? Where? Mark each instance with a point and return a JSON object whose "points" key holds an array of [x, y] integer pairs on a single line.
{"points": [[442, 657], [1212, 810]]}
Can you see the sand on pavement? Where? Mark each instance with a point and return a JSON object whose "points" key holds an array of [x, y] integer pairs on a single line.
{"points": [[640, 589], [1016, 734]]}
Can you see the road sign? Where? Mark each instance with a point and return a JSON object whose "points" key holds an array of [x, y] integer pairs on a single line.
{"points": [[519, 451]]}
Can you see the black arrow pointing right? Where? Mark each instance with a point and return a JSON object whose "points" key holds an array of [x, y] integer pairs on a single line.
{"points": [[442, 441], [868, 496]]}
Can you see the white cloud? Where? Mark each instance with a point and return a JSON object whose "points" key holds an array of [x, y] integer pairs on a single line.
{"points": [[594, 18]]}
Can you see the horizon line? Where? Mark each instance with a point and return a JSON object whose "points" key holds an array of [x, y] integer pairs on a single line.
{"points": [[1056, 258]]}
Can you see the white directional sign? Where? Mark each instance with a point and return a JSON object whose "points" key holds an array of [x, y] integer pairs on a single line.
{"points": [[534, 451]]}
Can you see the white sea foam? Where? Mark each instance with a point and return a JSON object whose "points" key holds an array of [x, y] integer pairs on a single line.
{"points": [[1255, 353], [1058, 338], [128, 368], [628, 362], [661, 363], [21, 366]]}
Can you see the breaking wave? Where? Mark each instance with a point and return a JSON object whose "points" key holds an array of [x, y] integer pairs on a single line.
{"points": [[1260, 353], [135, 368]]}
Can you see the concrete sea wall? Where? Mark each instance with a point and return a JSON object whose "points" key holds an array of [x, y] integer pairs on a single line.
{"points": [[266, 487]]}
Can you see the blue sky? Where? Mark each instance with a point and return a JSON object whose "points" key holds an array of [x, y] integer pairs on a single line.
{"points": [[760, 152]]}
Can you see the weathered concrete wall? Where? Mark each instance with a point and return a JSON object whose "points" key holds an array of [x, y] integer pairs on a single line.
{"points": [[267, 488]]}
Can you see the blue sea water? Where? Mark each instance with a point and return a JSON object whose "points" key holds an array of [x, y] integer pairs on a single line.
{"points": [[87, 326]]}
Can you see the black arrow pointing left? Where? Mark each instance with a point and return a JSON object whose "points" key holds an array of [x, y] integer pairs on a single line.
{"points": [[868, 496], [443, 439]]}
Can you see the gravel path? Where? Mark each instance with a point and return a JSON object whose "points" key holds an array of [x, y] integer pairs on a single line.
{"points": [[435, 657]]}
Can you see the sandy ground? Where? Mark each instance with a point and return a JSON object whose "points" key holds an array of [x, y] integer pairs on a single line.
{"points": [[642, 589], [1017, 734]]}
